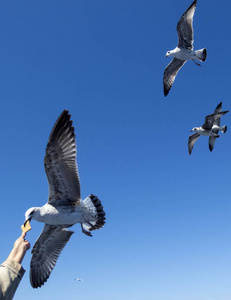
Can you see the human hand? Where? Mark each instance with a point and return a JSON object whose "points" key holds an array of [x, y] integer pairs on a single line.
{"points": [[19, 250]]}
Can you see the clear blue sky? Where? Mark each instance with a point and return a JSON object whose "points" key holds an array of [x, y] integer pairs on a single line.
{"points": [[167, 235]]}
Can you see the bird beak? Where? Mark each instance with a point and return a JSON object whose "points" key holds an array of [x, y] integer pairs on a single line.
{"points": [[190, 131], [28, 220]]}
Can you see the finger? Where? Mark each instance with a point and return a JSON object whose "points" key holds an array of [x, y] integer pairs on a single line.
{"points": [[27, 245]]}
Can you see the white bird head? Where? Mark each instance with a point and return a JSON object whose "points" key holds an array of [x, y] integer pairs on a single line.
{"points": [[30, 214], [194, 129], [169, 53]]}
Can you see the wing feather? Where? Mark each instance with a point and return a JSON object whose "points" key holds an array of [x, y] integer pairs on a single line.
{"points": [[185, 28], [212, 140], [191, 141], [211, 119], [60, 163], [170, 73], [46, 251], [217, 110]]}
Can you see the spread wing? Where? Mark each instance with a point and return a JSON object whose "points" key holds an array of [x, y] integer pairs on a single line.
{"points": [[191, 141], [185, 28], [211, 119], [170, 73], [212, 140], [217, 110], [60, 163], [46, 252]]}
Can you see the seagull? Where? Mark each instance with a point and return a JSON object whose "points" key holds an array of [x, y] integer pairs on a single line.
{"points": [[64, 207], [184, 50], [78, 279], [211, 128]]}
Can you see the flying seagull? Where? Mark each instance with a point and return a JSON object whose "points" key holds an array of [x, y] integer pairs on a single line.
{"points": [[211, 128], [184, 50], [78, 279], [64, 207]]}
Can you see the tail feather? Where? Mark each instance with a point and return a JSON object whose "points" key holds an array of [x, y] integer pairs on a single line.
{"points": [[224, 129], [96, 212], [201, 54]]}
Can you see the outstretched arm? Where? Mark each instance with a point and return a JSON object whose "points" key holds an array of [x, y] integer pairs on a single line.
{"points": [[19, 250], [11, 271]]}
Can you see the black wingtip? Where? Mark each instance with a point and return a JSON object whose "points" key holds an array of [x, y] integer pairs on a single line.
{"points": [[166, 91], [225, 112], [194, 3], [63, 121]]}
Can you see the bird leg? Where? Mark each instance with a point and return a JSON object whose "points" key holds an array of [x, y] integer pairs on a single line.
{"points": [[85, 231], [197, 63]]}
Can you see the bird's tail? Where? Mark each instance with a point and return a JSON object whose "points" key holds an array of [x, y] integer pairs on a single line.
{"points": [[223, 129], [201, 54], [96, 214]]}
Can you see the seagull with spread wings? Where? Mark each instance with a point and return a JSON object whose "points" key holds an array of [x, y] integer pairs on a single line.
{"points": [[184, 50], [211, 128], [64, 207]]}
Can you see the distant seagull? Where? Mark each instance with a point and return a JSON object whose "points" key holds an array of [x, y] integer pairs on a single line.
{"points": [[65, 207], [184, 50], [78, 279], [211, 128]]}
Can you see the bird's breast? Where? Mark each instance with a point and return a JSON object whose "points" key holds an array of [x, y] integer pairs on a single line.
{"points": [[184, 54], [62, 215]]}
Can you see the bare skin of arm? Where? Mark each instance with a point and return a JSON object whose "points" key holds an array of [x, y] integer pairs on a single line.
{"points": [[19, 250]]}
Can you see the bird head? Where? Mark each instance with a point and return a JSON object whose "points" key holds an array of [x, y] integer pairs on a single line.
{"points": [[29, 214], [168, 54], [194, 129]]}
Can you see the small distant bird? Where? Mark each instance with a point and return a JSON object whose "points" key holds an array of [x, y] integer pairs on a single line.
{"points": [[184, 50], [64, 207], [78, 279], [211, 128]]}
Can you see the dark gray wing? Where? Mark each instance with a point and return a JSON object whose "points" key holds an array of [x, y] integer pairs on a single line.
{"points": [[60, 163], [185, 28], [191, 141], [211, 119], [46, 252], [170, 73], [212, 140], [217, 110]]}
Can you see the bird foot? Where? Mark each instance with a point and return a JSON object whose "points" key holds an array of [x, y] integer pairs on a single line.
{"points": [[85, 231], [197, 63]]}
